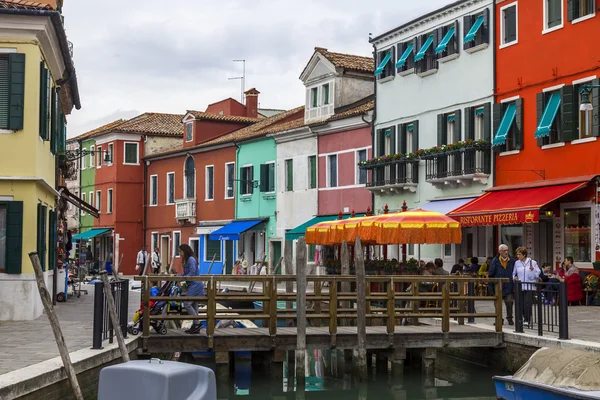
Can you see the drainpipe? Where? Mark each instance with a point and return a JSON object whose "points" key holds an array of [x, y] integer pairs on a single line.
{"points": [[235, 192], [145, 200], [373, 119]]}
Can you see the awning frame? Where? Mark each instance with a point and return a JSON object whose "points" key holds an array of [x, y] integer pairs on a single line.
{"points": [[402, 60], [236, 236], [507, 120], [549, 116], [470, 36], [421, 54], [444, 43]]}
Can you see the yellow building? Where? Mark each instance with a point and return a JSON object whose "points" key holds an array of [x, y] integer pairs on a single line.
{"points": [[38, 87]]}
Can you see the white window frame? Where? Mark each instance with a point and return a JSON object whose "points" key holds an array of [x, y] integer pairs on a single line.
{"points": [[153, 187], [206, 198], [593, 221], [83, 199], [310, 98], [137, 153], [205, 249], [328, 93], [195, 179], [356, 161], [451, 130], [229, 183], [175, 249], [83, 163], [190, 123], [111, 152], [153, 244], [168, 186], [92, 156], [502, 27], [99, 200], [98, 156], [91, 198], [245, 181], [275, 176], [337, 170], [585, 17], [109, 200], [545, 29]]}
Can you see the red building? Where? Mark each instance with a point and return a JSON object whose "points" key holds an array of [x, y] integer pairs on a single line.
{"points": [[546, 160]]}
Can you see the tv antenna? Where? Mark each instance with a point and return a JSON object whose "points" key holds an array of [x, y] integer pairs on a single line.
{"points": [[242, 78]]}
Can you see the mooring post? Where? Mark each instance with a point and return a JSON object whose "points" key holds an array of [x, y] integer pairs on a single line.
{"points": [[222, 359], [291, 368], [398, 358], [429, 356], [348, 368], [346, 284], [361, 303], [276, 369], [300, 314], [288, 270]]}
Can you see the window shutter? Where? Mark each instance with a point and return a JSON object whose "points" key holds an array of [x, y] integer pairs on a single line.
{"points": [[487, 134], [391, 66], [469, 123], [393, 140], [16, 95], [41, 235], [455, 48], [571, 10], [53, 123], [519, 124], [539, 107], [569, 114], [402, 139], [485, 28], [43, 101], [290, 176], [498, 114], [439, 32], [381, 142], [415, 136], [51, 240], [250, 183], [511, 24], [399, 52], [62, 128], [458, 125], [595, 98], [416, 47], [467, 23], [14, 237], [264, 178], [441, 130]]}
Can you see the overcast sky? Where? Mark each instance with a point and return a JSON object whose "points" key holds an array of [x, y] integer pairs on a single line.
{"points": [[134, 56]]}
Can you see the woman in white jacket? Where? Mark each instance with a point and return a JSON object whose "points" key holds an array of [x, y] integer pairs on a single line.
{"points": [[526, 270]]}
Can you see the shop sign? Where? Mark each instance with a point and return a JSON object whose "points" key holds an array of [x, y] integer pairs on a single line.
{"points": [[504, 218]]}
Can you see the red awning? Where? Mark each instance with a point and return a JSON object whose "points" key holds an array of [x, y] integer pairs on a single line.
{"points": [[509, 207]]}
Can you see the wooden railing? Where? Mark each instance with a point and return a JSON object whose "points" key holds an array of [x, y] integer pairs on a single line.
{"points": [[388, 301]]}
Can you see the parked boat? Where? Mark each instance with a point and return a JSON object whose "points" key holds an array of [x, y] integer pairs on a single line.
{"points": [[553, 374]]}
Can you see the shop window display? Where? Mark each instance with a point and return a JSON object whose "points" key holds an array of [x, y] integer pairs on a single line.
{"points": [[578, 234]]}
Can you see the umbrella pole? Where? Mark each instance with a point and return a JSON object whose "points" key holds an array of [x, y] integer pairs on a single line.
{"points": [[419, 252]]}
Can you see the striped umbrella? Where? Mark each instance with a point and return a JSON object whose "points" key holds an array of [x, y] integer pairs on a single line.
{"points": [[319, 232], [346, 229], [416, 227]]}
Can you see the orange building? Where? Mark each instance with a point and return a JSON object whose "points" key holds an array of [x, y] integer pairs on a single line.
{"points": [[546, 163]]}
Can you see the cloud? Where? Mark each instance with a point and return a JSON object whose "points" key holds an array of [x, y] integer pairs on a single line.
{"points": [[153, 55]]}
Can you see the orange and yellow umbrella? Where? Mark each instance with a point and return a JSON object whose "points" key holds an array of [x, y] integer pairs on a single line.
{"points": [[416, 227], [318, 233], [345, 229]]}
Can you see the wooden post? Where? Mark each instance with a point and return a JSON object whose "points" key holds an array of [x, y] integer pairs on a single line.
{"points": [[361, 362], [429, 356], [271, 261], [499, 319], [58, 336], [112, 313], [211, 311], [301, 314], [288, 269], [222, 360], [345, 285], [333, 304], [445, 306], [117, 267]]}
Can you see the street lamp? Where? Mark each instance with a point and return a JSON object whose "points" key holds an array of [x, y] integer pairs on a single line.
{"points": [[586, 104], [252, 183]]}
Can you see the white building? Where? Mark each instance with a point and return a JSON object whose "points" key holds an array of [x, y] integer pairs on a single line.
{"points": [[435, 80]]}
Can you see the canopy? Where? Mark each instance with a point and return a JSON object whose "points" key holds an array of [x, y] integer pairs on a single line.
{"points": [[509, 207], [77, 202], [300, 230], [92, 233], [233, 230]]}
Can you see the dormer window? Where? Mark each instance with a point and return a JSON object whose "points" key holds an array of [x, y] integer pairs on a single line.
{"points": [[189, 131], [319, 103], [314, 95]]}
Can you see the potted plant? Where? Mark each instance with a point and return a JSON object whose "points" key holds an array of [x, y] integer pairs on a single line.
{"points": [[596, 265]]}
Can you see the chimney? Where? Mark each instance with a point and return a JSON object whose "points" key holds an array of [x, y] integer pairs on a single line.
{"points": [[252, 103]]}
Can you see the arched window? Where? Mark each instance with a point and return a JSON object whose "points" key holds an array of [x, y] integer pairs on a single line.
{"points": [[190, 178]]}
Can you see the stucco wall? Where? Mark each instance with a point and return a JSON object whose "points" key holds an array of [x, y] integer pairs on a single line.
{"points": [[157, 144], [351, 89], [88, 181]]}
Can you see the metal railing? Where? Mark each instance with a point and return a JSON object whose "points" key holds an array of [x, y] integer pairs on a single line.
{"points": [[543, 306], [102, 326], [393, 299], [458, 163], [395, 173]]}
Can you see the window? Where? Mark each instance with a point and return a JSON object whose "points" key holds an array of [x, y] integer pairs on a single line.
{"points": [[425, 59], [385, 66], [45, 95], [509, 25], [92, 157], [585, 122], [3, 216], [406, 62], [189, 131], [246, 180], [176, 243], [447, 250], [171, 188], [447, 48], [549, 118], [553, 15], [99, 156], [450, 131], [12, 90], [312, 172], [361, 173], [212, 249], [229, 180], [325, 94], [578, 234], [508, 125], [267, 177], [210, 183], [332, 180], [153, 190], [109, 201], [190, 178], [154, 241], [83, 199], [109, 157], [83, 161], [91, 199], [314, 97], [98, 200], [479, 124], [289, 175], [580, 8], [131, 153], [476, 31]]}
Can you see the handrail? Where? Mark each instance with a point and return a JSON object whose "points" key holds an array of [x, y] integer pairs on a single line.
{"points": [[391, 299]]}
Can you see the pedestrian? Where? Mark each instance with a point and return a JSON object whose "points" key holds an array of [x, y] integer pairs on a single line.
{"points": [[526, 270], [194, 288], [502, 266], [142, 257], [473, 269], [156, 261]]}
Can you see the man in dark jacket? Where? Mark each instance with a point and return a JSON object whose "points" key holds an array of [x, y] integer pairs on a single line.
{"points": [[502, 267]]}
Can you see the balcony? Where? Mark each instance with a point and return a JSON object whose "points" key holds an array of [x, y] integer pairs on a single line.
{"points": [[393, 176], [461, 167], [185, 210]]}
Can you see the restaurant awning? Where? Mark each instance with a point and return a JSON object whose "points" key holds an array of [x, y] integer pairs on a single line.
{"points": [[512, 205], [300, 230], [446, 206], [77, 202], [92, 233], [233, 230]]}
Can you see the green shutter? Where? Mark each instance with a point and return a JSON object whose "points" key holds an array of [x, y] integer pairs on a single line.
{"points": [[51, 240], [313, 171], [469, 123], [458, 125], [487, 132], [43, 101], [539, 107], [16, 92], [569, 114], [415, 136], [62, 131], [53, 122], [595, 98], [467, 23], [271, 169], [485, 28], [393, 140], [41, 235], [402, 139], [290, 175], [251, 183], [264, 178], [14, 236], [519, 124], [381, 142], [498, 114], [442, 138], [571, 10]]}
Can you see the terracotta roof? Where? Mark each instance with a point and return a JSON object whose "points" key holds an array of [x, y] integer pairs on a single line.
{"points": [[348, 61], [24, 5], [155, 124], [220, 117], [98, 131], [353, 111]]}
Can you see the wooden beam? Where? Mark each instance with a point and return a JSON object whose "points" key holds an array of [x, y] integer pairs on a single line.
{"points": [[361, 304], [300, 314]]}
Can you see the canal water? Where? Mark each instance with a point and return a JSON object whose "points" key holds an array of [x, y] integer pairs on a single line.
{"points": [[328, 379]]}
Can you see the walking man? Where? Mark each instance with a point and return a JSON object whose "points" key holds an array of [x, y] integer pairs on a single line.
{"points": [[142, 256], [502, 267]]}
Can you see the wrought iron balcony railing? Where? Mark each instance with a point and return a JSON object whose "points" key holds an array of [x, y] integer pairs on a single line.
{"points": [[394, 175], [462, 166]]}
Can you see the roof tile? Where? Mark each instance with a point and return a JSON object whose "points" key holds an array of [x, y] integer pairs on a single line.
{"points": [[24, 5], [220, 117], [156, 124], [98, 131], [348, 61]]}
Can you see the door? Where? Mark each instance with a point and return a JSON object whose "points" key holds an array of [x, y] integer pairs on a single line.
{"points": [[229, 256], [164, 252], [195, 245], [545, 252], [276, 254]]}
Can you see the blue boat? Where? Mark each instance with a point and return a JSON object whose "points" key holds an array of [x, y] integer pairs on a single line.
{"points": [[281, 305], [553, 374]]}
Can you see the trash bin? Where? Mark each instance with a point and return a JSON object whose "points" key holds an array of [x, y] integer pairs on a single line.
{"points": [[157, 380]]}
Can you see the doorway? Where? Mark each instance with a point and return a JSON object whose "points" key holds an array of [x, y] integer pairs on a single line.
{"points": [[276, 254], [545, 246], [512, 236], [164, 251], [195, 245], [229, 256]]}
